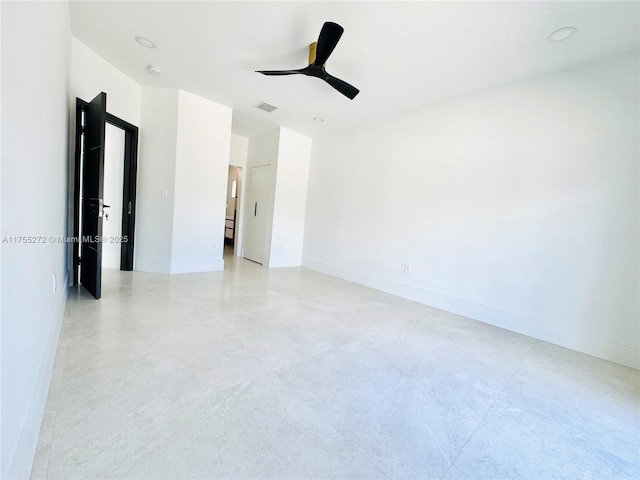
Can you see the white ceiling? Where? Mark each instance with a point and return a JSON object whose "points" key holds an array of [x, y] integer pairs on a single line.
{"points": [[401, 55]]}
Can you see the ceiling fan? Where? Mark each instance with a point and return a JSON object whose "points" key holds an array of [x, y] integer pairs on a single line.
{"points": [[318, 54]]}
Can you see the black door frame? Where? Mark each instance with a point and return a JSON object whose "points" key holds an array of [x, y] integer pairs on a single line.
{"points": [[128, 191]]}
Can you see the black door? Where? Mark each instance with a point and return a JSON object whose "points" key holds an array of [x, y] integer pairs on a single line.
{"points": [[92, 201], [129, 193]]}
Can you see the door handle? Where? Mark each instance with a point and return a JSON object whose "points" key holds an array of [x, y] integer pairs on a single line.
{"points": [[102, 212], [255, 210]]}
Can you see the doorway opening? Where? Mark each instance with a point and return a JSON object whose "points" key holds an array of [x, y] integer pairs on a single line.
{"points": [[106, 208], [113, 195], [231, 224]]}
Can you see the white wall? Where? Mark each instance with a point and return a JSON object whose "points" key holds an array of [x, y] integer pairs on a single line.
{"points": [[113, 186], [238, 158], [35, 64], [517, 207], [239, 150], [91, 74], [202, 163], [156, 180], [294, 155]]}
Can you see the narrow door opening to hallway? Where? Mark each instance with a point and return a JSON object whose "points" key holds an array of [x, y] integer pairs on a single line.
{"points": [[113, 188], [232, 214]]}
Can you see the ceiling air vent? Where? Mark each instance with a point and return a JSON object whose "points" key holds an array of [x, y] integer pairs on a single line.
{"points": [[266, 107]]}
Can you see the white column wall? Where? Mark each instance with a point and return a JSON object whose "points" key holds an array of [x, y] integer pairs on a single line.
{"points": [[202, 163], [157, 148], [292, 177]]}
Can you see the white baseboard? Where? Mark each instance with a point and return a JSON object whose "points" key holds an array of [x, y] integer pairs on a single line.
{"points": [[197, 266], [278, 262], [538, 328], [28, 440], [156, 265], [152, 265]]}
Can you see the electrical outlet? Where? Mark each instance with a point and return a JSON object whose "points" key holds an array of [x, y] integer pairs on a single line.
{"points": [[407, 268]]}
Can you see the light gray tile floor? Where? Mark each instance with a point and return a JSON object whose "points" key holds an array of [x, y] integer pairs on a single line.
{"points": [[289, 373]]}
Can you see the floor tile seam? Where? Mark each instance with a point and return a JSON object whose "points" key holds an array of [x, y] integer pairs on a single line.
{"points": [[601, 377], [61, 356], [92, 301], [311, 357], [163, 441], [73, 445], [329, 424], [53, 436], [208, 409], [496, 398], [397, 403], [55, 390], [444, 455], [275, 370], [109, 296], [433, 436], [167, 441]]}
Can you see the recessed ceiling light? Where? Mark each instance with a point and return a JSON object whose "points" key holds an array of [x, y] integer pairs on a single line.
{"points": [[318, 119], [145, 42], [154, 70], [561, 34]]}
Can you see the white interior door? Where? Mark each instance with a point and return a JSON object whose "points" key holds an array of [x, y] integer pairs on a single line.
{"points": [[256, 213]]}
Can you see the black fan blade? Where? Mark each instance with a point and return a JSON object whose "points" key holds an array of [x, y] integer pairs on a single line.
{"points": [[342, 86], [280, 72], [327, 41]]}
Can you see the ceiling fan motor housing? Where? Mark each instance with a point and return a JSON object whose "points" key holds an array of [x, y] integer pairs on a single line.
{"points": [[312, 52]]}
